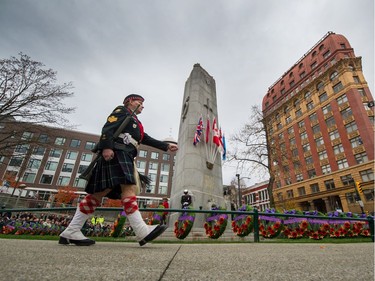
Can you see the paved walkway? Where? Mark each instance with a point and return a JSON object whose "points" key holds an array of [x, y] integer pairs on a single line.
{"points": [[46, 260]]}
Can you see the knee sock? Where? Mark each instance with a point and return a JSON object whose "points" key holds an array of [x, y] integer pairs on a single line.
{"points": [[130, 204], [88, 204]]}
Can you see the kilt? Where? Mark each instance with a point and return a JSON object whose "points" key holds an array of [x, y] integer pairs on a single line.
{"points": [[111, 174]]}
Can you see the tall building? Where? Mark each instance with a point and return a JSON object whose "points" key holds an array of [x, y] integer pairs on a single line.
{"points": [[50, 158], [319, 119]]}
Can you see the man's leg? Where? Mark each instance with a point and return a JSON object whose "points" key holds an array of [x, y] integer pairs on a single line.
{"points": [[72, 234], [144, 233]]}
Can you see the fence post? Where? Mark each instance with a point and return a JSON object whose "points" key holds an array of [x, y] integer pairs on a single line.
{"points": [[256, 225], [371, 226]]}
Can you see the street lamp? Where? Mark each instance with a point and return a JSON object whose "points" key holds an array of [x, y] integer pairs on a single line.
{"points": [[239, 190]]}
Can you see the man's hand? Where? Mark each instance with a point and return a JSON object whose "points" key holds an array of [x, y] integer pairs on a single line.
{"points": [[172, 147], [108, 154]]}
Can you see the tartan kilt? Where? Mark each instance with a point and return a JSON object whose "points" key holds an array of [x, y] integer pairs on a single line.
{"points": [[110, 174]]}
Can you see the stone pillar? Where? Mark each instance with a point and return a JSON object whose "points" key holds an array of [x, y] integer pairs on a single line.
{"points": [[344, 203], [197, 168]]}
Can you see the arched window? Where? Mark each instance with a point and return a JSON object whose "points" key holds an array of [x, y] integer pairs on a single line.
{"points": [[333, 75], [320, 85], [313, 54]]}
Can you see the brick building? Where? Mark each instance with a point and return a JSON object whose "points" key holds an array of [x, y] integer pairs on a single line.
{"points": [[51, 158], [319, 119]]}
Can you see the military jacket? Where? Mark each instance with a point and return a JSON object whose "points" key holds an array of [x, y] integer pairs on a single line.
{"points": [[134, 128]]}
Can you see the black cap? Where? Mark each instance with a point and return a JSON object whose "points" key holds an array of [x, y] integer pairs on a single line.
{"points": [[132, 97]]}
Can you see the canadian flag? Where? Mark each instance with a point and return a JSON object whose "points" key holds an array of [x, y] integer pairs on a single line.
{"points": [[216, 135]]}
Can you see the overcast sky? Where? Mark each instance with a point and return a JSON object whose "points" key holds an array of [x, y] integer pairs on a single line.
{"points": [[110, 48]]}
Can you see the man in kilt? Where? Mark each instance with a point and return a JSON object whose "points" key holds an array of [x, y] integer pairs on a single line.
{"points": [[115, 176]]}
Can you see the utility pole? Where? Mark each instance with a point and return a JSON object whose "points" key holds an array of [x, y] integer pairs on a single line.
{"points": [[239, 191]]}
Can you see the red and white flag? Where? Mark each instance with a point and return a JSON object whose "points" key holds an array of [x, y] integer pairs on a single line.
{"points": [[216, 135]]}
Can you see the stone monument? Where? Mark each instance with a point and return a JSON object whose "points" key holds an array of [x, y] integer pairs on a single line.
{"points": [[198, 167]]}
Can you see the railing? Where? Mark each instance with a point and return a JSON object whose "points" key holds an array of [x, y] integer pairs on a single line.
{"points": [[254, 213]]}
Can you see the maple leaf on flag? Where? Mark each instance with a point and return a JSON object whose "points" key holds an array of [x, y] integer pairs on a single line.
{"points": [[216, 135]]}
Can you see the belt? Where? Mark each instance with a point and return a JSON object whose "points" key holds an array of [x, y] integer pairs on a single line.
{"points": [[128, 139]]}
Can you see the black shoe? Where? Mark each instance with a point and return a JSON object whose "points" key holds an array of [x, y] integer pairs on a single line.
{"points": [[153, 234], [84, 242]]}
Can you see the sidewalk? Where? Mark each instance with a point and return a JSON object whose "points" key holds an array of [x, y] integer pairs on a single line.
{"points": [[46, 260]]}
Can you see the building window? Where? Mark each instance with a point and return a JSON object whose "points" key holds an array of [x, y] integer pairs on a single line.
{"points": [[306, 147], [55, 152], [313, 65], [316, 129], [154, 155], [295, 152], [326, 109], [39, 150], [310, 105], [323, 97], [351, 127], [326, 169], [153, 166], [314, 188], [311, 173], [27, 136], [347, 180], [303, 74], [346, 113], [43, 138], [28, 177], [51, 166], [342, 164], [355, 142], [63, 181], [79, 183], [60, 141], [152, 177], [320, 85], [319, 141], [369, 194], [67, 167], [141, 164], [313, 117], [75, 143], [289, 193], [165, 167], [303, 135], [329, 184], [142, 153], [86, 157], [322, 155], [350, 197], [301, 124], [22, 148], [309, 160], [301, 191], [164, 178], [330, 122], [82, 168], [361, 92], [288, 119], [163, 190], [334, 135], [280, 196], [338, 87], [90, 145], [342, 99], [356, 79], [361, 158], [46, 179], [333, 75], [299, 177], [307, 95], [34, 164], [72, 155], [337, 149], [367, 175], [326, 54], [15, 161], [298, 113], [166, 157]]}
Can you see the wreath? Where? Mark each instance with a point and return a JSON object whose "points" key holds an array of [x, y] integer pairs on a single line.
{"points": [[184, 224], [242, 225], [118, 225], [215, 225], [157, 217], [270, 226]]}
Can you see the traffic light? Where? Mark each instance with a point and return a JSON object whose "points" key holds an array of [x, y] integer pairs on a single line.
{"points": [[359, 187]]}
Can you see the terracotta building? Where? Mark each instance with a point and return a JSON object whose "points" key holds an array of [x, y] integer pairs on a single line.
{"points": [[319, 119], [51, 158]]}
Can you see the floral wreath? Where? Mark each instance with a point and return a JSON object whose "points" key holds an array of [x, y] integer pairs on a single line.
{"points": [[184, 224], [242, 225], [157, 217], [118, 225], [269, 226], [215, 225]]}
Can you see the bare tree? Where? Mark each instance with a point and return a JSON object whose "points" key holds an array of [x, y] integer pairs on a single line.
{"points": [[30, 97], [251, 150]]}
